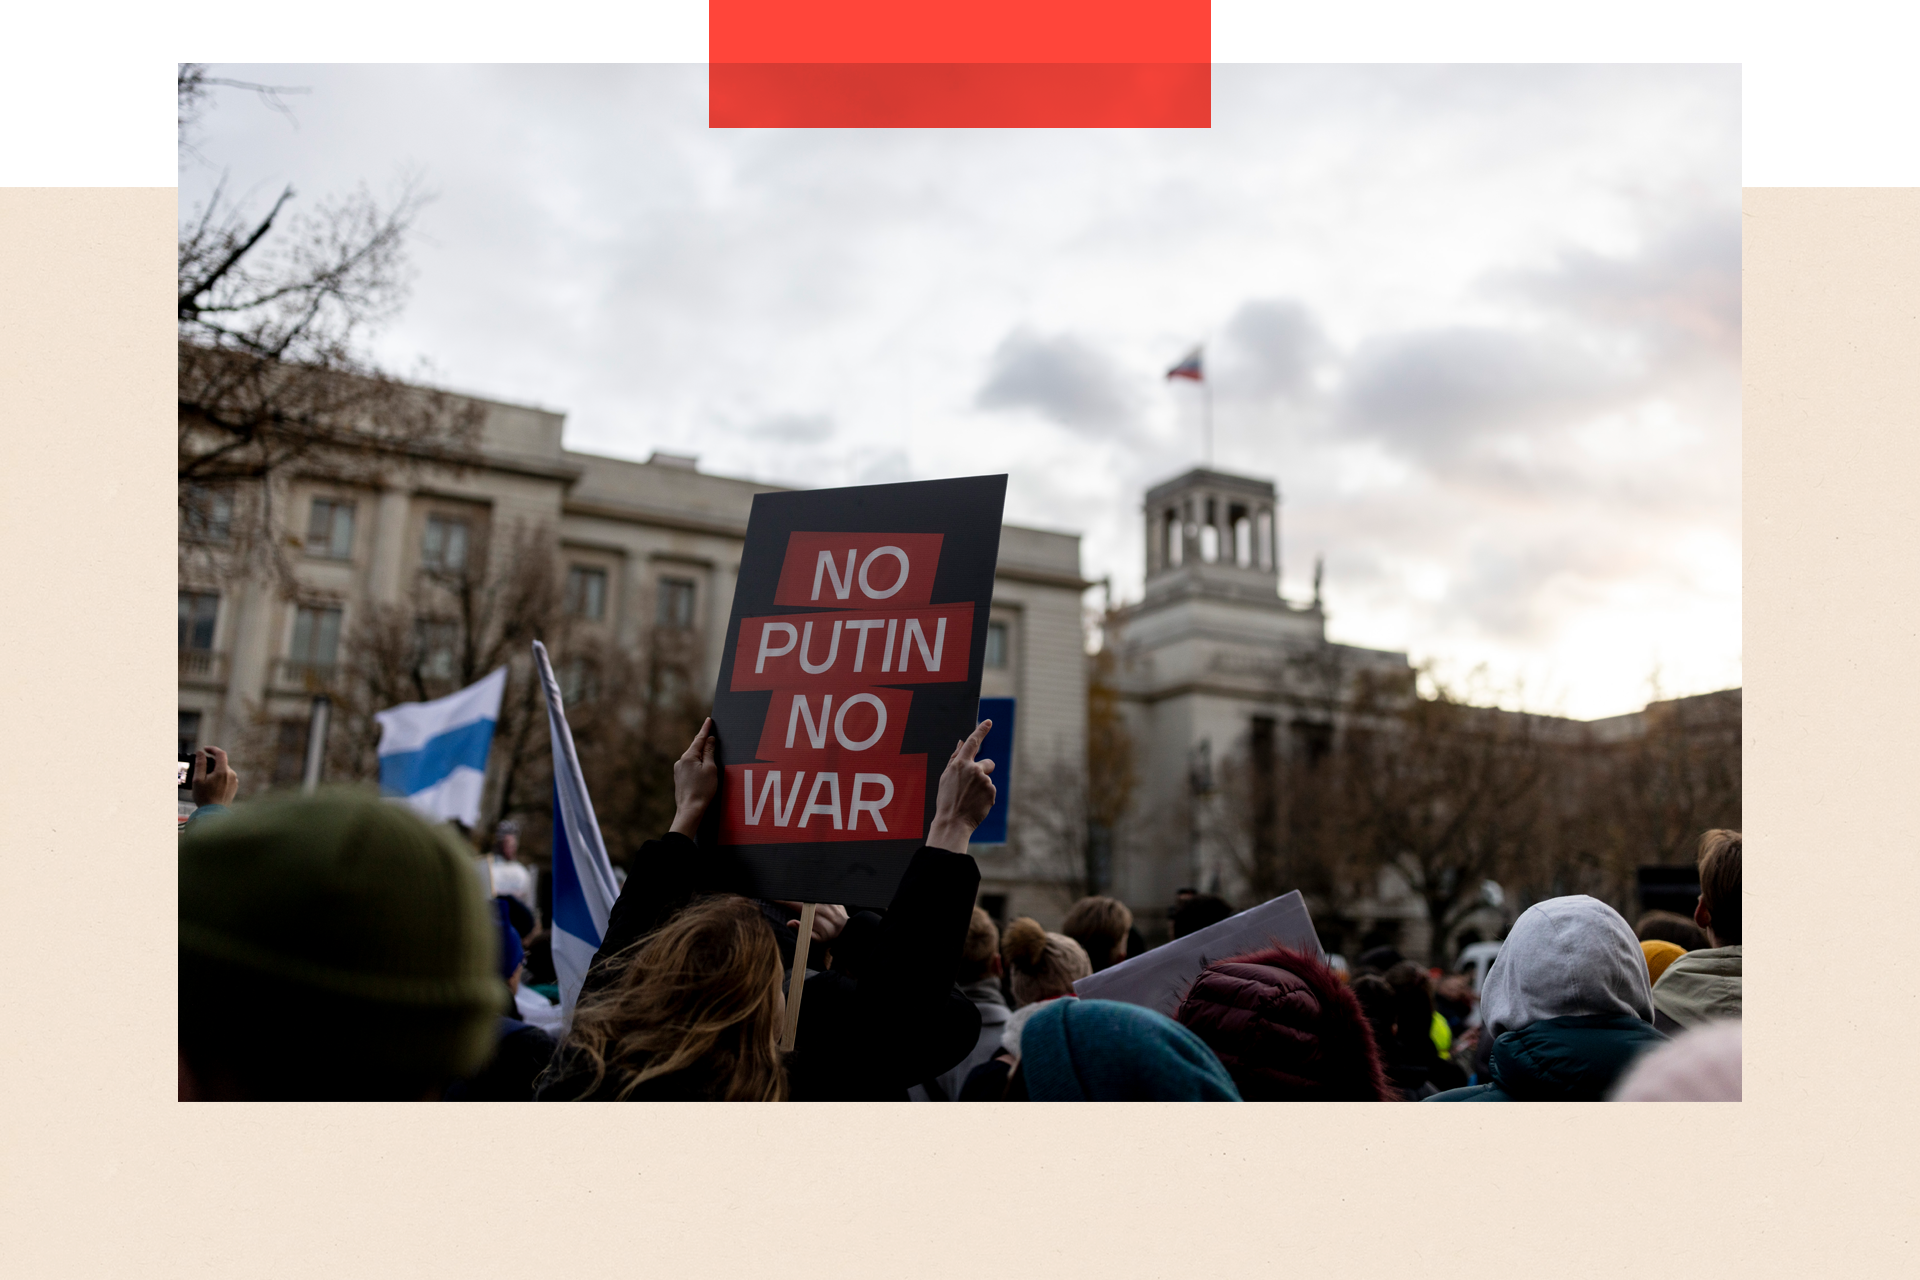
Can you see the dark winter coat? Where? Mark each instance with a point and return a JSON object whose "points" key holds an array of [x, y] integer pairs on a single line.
{"points": [[1286, 1029], [1573, 1059], [865, 1038], [520, 1055]]}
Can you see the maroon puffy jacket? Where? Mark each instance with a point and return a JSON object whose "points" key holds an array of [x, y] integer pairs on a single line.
{"points": [[1287, 1029]]}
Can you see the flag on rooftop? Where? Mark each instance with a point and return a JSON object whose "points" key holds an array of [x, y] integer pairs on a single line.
{"points": [[583, 884], [1189, 367], [433, 754]]}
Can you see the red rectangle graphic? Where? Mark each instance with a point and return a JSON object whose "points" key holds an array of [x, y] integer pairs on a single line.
{"points": [[960, 95], [960, 31], [858, 570], [850, 651], [823, 729], [879, 799]]}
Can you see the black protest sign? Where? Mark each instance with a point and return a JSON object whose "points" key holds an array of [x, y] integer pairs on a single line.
{"points": [[851, 669]]}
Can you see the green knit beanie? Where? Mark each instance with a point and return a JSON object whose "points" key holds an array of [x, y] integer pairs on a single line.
{"points": [[343, 907]]}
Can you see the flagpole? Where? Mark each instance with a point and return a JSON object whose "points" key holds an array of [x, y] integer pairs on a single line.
{"points": [[1206, 418]]}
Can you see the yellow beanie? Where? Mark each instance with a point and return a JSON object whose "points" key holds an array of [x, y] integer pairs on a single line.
{"points": [[1659, 955]]}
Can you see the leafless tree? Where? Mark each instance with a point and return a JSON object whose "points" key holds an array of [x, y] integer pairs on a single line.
{"points": [[1066, 815], [1450, 797], [1048, 830], [274, 311], [1282, 809], [631, 706], [1639, 797], [1374, 778]]}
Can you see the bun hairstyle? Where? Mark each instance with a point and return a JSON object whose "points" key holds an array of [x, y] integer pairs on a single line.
{"points": [[1044, 965], [1024, 944]]}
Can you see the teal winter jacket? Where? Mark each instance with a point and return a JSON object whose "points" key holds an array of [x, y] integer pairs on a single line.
{"points": [[1573, 1059]]}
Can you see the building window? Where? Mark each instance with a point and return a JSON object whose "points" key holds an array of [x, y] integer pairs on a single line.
{"points": [[439, 648], [579, 682], [670, 687], [675, 611], [997, 644], [206, 514], [587, 592], [189, 733], [290, 752], [316, 636], [330, 529], [1313, 741], [198, 610], [444, 548]]}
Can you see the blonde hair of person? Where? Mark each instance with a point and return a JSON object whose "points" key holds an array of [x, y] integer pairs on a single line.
{"points": [[1042, 965], [699, 994], [1099, 924]]}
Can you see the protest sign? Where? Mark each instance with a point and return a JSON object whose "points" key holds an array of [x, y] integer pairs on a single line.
{"points": [[850, 671], [1159, 979]]}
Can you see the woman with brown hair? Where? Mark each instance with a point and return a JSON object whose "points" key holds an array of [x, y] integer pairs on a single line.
{"points": [[1042, 968], [683, 999], [1042, 965], [692, 1014]]}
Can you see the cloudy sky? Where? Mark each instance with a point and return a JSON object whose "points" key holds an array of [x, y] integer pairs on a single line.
{"points": [[1482, 325]]}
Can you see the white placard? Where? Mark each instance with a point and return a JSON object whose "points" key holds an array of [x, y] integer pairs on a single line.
{"points": [[1160, 978]]}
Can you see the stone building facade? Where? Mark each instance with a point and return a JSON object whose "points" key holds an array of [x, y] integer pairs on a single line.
{"points": [[1213, 665], [1215, 672], [649, 552]]}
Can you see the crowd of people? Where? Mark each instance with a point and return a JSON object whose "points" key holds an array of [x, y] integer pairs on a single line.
{"points": [[337, 946]]}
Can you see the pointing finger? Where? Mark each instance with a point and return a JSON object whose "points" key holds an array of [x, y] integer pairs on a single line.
{"points": [[974, 739]]}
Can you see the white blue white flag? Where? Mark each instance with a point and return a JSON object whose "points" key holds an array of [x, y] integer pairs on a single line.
{"points": [[583, 884], [433, 754]]}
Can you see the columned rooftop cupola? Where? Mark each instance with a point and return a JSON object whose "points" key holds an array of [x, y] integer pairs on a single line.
{"points": [[1213, 533]]}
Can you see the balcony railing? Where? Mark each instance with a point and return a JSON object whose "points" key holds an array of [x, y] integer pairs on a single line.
{"points": [[308, 677], [203, 666]]}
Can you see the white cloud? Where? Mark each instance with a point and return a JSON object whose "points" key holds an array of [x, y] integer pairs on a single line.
{"points": [[1062, 379], [1481, 324]]}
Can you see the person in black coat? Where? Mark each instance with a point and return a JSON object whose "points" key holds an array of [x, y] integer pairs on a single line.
{"points": [[885, 1014]]}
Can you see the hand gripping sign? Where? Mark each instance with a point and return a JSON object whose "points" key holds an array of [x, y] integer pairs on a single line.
{"points": [[851, 667]]}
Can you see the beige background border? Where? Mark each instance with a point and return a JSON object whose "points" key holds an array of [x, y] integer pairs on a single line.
{"points": [[102, 1174]]}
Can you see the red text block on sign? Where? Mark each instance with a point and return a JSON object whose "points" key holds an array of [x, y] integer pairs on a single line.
{"points": [[847, 652], [858, 570], [822, 729], [881, 799]]}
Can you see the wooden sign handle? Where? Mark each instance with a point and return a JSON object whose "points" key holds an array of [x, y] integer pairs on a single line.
{"points": [[797, 980]]}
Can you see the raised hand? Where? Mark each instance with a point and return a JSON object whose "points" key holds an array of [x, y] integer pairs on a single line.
{"points": [[966, 794], [217, 783], [829, 918], [696, 779]]}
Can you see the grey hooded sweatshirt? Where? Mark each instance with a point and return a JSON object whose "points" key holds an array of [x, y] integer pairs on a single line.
{"points": [[1568, 1005], [1566, 957]]}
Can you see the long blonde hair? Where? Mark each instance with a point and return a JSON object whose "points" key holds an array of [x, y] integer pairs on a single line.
{"points": [[700, 994]]}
